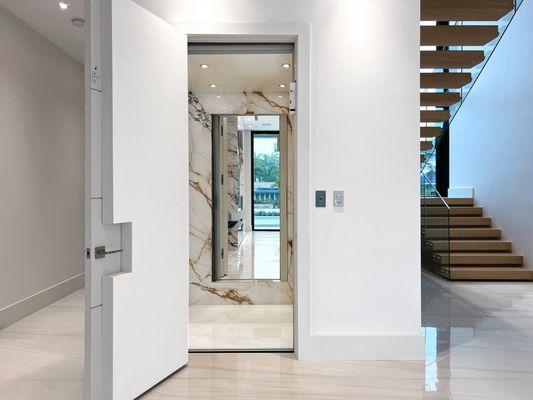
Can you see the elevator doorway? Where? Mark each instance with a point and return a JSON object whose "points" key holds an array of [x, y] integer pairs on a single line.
{"points": [[240, 152]]}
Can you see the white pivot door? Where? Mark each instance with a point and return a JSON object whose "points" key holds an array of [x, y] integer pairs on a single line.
{"points": [[136, 200]]}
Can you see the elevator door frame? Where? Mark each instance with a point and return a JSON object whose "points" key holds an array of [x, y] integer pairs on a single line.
{"points": [[298, 34], [218, 219]]}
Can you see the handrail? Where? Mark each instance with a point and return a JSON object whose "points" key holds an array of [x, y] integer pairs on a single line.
{"points": [[516, 7], [517, 4]]}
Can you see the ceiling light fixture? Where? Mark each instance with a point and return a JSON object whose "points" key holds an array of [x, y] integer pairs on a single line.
{"points": [[63, 6], [282, 85], [204, 66], [218, 96], [212, 85], [280, 96], [286, 65]]}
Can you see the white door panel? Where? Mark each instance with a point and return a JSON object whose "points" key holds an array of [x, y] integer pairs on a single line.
{"points": [[96, 144], [108, 235], [93, 364], [144, 201]]}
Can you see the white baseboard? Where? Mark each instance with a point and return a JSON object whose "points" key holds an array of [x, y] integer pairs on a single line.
{"points": [[22, 308], [363, 348], [464, 192]]}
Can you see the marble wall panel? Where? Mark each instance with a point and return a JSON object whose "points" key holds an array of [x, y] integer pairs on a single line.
{"points": [[202, 288]]}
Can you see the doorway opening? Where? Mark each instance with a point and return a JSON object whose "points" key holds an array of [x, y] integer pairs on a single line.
{"points": [[265, 181], [241, 190]]}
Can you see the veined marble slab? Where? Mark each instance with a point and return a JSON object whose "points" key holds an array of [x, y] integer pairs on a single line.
{"points": [[203, 290]]}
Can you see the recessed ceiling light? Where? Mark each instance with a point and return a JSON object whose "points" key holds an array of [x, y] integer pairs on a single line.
{"points": [[224, 107], [280, 96], [204, 66], [212, 85], [63, 6], [282, 85], [218, 96], [286, 65]]}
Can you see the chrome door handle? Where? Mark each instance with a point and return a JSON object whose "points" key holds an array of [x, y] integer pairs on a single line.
{"points": [[100, 252]]}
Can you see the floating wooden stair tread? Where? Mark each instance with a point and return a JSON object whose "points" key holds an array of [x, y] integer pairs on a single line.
{"points": [[466, 243], [430, 131], [451, 201], [451, 59], [471, 245], [464, 10], [457, 221], [434, 115], [457, 35], [463, 233], [484, 259], [491, 273], [438, 80], [465, 211], [426, 145], [439, 99]]}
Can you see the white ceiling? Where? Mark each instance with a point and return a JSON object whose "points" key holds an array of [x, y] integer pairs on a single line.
{"points": [[45, 17], [258, 122], [239, 72], [236, 72]]}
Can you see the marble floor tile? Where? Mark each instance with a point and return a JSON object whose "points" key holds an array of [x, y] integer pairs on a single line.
{"points": [[240, 327], [41, 356], [258, 257], [479, 345]]}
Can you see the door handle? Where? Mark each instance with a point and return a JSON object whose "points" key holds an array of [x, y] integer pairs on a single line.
{"points": [[100, 252]]}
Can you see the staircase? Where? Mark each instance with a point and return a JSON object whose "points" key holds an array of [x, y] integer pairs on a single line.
{"points": [[457, 37], [447, 27], [463, 245]]}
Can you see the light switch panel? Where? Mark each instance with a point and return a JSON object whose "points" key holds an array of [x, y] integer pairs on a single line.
{"points": [[320, 198], [338, 198]]}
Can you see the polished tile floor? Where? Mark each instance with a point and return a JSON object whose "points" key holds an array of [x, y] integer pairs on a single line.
{"points": [[253, 327], [258, 257], [479, 345]]}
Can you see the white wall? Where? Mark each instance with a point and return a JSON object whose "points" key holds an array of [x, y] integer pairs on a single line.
{"points": [[491, 146], [41, 170], [358, 270]]}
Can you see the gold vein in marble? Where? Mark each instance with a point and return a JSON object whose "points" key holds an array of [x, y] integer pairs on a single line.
{"points": [[227, 294], [206, 245], [203, 289]]}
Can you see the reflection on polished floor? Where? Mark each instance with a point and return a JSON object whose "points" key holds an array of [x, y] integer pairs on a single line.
{"points": [[219, 327], [256, 258], [479, 345]]}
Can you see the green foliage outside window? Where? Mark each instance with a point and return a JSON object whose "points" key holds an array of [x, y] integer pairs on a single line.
{"points": [[266, 168]]}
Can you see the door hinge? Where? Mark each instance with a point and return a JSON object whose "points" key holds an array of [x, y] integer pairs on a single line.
{"points": [[292, 98], [221, 179], [222, 253], [96, 78]]}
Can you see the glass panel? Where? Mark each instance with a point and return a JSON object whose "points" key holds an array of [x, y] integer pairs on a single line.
{"points": [[435, 229], [266, 178], [428, 156], [249, 234]]}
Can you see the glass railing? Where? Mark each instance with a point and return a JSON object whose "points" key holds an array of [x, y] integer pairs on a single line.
{"points": [[435, 229], [428, 156]]}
